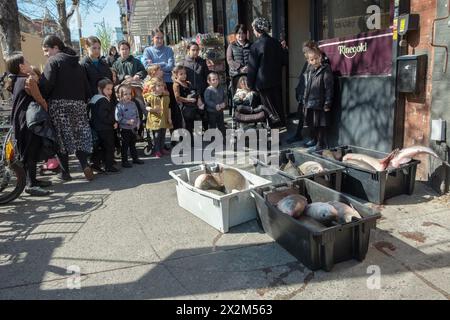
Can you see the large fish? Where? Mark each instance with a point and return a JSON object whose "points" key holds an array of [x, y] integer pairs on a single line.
{"points": [[345, 212], [322, 212], [328, 154], [360, 164], [406, 155], [291, 169], [274, 197], [293, 205], [207, 182], [311, 167], [377, 164], [231, 179]]}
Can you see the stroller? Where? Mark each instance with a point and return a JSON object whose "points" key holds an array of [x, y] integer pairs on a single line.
{"points": [[143, 135]]}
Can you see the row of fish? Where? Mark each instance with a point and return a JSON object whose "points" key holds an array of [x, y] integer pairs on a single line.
{"points": [[297, 206], [394, 160], [306, 169], [221, 182]]}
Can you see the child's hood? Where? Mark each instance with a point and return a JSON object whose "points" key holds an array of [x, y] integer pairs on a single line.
{"points": [[97, 98]]}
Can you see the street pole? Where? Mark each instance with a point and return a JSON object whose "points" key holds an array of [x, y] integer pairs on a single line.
{"points": [[79, 29]]}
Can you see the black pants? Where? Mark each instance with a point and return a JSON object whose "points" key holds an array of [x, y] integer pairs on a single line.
{"points": [[160, 139], [175, 111], [34, 145], [272, 99], [128, 144], [104, 151], [301, 122], [64, 160], [217, 121]]}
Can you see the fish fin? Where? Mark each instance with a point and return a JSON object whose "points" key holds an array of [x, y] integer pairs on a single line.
{"points": [[386, 161]]}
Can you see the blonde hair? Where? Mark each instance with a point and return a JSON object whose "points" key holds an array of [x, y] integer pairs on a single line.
{"points": [[155, 82], [242, 82], [124, 88], [153, 69]]}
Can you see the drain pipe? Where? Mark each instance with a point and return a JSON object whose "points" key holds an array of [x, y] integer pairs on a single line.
{"points": [[433, 37]]}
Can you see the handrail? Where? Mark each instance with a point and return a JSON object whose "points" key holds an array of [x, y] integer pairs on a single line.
{"points": [[433, 37]]}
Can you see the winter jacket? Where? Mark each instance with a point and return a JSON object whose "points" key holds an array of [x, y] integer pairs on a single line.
{"points": [[214, 97], [197, 73], [319, 88], [111, 59], [95, 73], [126, 112], [39, 123], [101, 113], [238, 57], [158, 121], [64, 79], [129, 67], [267, 58]]}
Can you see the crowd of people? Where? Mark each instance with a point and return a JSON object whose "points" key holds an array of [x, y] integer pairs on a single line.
{"points": [[94, 106]]}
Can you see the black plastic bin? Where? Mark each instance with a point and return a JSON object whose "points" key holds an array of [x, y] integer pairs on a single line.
{"points": [[331, 177], [317, 248], [375, 187]]}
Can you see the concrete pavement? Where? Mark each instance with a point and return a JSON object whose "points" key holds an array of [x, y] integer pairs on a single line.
{"points": [[130, 240]]}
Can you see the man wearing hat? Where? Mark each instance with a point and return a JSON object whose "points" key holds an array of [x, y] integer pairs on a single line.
{"points": [[267, 58]]}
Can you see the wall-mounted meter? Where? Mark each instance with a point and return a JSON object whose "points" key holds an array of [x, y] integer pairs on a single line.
{"points": [[407, 23], [412, 73]]}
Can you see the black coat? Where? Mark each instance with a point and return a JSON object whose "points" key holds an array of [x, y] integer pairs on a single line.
{"points": [[95, 73], [238, 57], [319, 88], [197, 73], [64, 79], [101, 113], [267, 58], [112, 59]]}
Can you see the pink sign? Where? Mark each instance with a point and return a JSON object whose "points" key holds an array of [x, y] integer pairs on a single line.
{"points": [[364, 54]]}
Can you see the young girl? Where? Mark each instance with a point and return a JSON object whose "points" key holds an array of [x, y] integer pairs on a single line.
{"points": [[154, 71], [318, 97], [103, 122], [188, 98], [215, 98], [127, 116], [159, 118], [244, 96]]}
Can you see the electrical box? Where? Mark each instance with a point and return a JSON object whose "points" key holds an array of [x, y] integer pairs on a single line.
{"points": [[407, 23], [412, 73], [439, 130]]}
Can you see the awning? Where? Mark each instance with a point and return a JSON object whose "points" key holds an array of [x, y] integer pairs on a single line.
{"points": [[147, 15]]}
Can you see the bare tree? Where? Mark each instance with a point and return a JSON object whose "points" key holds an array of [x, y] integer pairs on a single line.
{"points": [[57, 9], [9, 26], [104, 34]]}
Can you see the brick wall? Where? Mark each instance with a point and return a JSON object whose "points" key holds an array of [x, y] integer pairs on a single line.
{"points": [[418, 108]]}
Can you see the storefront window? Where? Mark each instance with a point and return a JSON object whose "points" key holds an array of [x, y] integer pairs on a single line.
{"points": [[232, 15], [342, 18], [262, 8], [220, 26], [208, 13]]}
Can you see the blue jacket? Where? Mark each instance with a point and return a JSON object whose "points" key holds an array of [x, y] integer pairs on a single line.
{"points": [[126, 112], [163, 57]]}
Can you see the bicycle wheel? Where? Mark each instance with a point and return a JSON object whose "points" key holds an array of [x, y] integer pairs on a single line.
{"points": [[12, 182]]}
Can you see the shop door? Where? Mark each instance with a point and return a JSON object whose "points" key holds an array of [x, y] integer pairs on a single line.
{"points": [[298, 12]]}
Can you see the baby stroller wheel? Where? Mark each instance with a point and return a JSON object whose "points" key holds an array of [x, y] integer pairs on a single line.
{"points": [[148, 150]]}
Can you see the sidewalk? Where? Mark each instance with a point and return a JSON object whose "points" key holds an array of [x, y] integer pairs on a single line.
{"points": [[130, 240]]}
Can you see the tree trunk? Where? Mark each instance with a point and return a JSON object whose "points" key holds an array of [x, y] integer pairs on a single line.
{"points": [[9, 26], [61, 4]]}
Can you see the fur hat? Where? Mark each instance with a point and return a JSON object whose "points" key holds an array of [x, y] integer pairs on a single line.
{"points": [[261, 25]]}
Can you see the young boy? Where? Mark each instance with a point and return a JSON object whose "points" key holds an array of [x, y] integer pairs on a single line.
{"points": [[215, 98], [318, 98], [127, 116]]}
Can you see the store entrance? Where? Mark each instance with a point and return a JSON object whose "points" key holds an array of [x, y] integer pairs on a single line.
{"points": [[298, 13]]}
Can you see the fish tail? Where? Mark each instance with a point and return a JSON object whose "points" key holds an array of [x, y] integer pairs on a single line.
{"points": [[386, 161]]}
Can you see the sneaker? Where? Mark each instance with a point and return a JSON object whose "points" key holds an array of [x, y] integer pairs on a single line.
{"points": [[294, 139], [127, 165], [43, 184], [37, 191], [65, 176], [88, 173], [112, 170], [158, 155], [97, 168], [311, 143], [138, 161]]}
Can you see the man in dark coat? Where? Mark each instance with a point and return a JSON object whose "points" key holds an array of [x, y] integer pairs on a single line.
{"points": [[267, 58]]}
